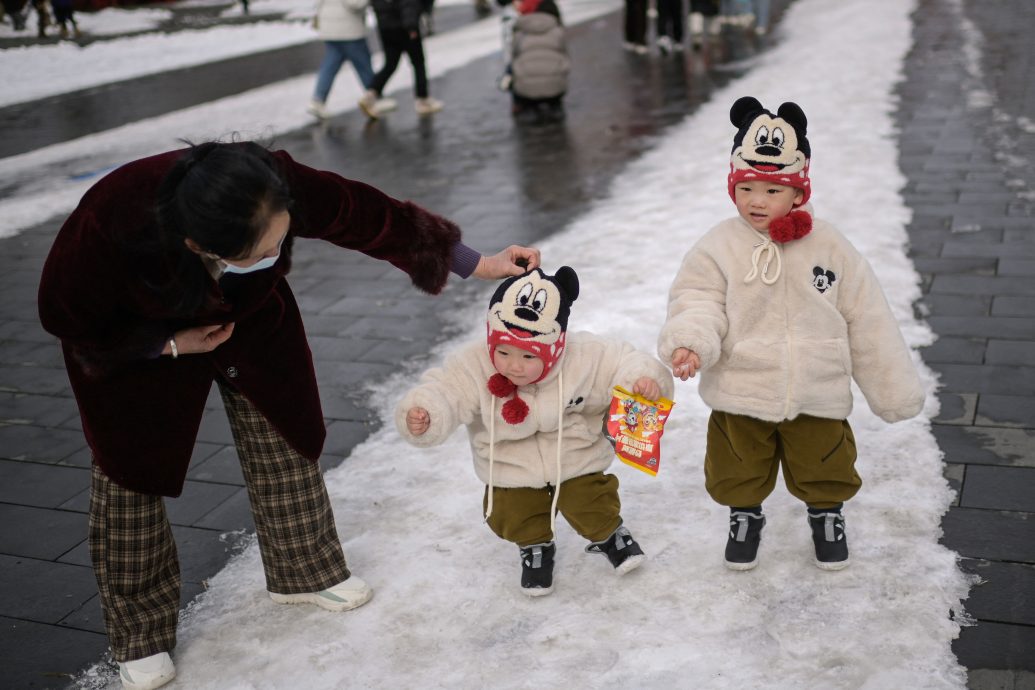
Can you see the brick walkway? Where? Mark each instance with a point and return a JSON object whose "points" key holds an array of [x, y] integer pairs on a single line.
{"points": [[972, 189], [504, 184]]}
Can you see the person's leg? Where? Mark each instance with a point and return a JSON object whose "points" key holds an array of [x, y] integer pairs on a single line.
{"points": [[134, 561], [358, 53], [334, 54], [298, 542], [678, 15], [393, 42], [591, 505], [639, 29], [819, 460], [762, 9], [522, 516], [415, 51], [740, 463]]}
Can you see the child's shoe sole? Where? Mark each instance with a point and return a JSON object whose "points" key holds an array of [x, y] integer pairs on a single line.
{"points": [[631, 563], [834, 565], [536, 591], [732, 565]]}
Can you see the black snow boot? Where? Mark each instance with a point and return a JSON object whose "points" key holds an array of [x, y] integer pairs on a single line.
{"points": [[828, 535], [621, 549], [745, 535], [537, 569]]}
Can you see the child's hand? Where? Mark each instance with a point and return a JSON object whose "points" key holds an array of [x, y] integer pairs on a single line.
{"points": [[685, 363], [417, 420], [647, 387]]}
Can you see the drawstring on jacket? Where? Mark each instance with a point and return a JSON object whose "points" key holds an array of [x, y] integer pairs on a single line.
{"points": [[560, 437], [772, 251]]}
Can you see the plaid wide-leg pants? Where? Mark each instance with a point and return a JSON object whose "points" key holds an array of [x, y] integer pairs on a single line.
{"points": [[134, 555]]}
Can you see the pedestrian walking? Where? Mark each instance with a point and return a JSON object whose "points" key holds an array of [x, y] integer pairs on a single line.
{"points": [[13, 8], [171, 275], [780, 313], [341, 24], [398, 25], [669, 24], [636, 26], [64, 14], [704, 17]]}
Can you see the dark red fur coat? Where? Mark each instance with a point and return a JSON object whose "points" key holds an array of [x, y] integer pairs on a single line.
{"points": [[141, 412]]}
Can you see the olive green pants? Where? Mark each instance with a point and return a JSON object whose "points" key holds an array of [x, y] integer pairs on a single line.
{"points": [[744, 454], [589, 503]]}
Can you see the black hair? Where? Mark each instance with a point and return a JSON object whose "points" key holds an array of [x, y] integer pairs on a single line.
{"points": [[221, 196]]}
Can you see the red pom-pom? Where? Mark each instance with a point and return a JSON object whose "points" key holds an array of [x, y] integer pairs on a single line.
{"points": [[793, 226], [501, 386], [515, 410]]}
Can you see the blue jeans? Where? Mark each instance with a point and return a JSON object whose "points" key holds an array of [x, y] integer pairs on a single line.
{"points": [[337, 52]]}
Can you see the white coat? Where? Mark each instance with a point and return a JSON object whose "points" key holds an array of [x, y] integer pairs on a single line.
{"points": [[524, 454], [341, 20], [774, 351]]}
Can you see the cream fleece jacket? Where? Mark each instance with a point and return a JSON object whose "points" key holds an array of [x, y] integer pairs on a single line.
{"points": [[525, 453], [776, 351]]}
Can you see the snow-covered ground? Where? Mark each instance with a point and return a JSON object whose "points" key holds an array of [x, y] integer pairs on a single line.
{"points": [[447, 612]]}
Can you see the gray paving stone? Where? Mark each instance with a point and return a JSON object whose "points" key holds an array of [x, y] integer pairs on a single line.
{"points": [[38, 444], [37, 532], [36, 655], [1007, 593], [215, 428], [957, 248], [329, 349], [1016, 352], [343, 436], [1001, 488], [222, 467], [1013, 306], [956, 408], [42, 591], [197, 499], [957, 305], [353, 375], [979, 265], [87, 617], [987, 378], [960, 350], [994, 535], [233, 514], [983, 285], [976, 445], [1006, 410], [35, 484], [984, 326], [39, 380], [1000, 679], [202, 552], [344, 404], [996, 646], [1009, 266]]}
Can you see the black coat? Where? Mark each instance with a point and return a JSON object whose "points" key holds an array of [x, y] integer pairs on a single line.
{"points": [[397, 14]]}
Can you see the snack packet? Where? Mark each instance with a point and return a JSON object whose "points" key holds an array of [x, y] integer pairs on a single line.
{"points": [[634, 426]]}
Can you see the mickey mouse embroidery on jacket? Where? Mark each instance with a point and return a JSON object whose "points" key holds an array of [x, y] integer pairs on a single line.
{"points": [[822, 279]]}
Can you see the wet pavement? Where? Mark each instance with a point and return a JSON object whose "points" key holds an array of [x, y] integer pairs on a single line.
{"points": [[504, 183]]}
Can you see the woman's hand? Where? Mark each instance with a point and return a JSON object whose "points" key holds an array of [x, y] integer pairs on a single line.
{"points": [[417, 420], [648, 388], [512, 261], [191, 341], [685, 363]]}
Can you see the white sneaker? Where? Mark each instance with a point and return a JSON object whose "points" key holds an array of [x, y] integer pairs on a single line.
{"points": [[368, 104], [343, 596], [317, 110], [640, 49], [385, 105], [427, 106], [145, 674], [664, 45]]}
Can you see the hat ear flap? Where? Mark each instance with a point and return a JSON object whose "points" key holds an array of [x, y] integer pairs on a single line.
{"points": [[744, 110], [793, 113], [568, 281]]}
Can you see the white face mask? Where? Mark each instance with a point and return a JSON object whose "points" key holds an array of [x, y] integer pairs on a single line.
{"points": [[260, 265]]}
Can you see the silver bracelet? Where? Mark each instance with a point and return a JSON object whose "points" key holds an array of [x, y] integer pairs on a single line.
{"points": [[172, 346]]}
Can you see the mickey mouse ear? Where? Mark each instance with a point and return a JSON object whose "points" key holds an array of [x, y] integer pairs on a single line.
{"points": [[793, 113], [568, 281], [743, 110]]}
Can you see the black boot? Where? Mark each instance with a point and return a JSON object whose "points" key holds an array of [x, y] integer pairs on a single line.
{"points": [[537, 569], [829, 538], [745, 535], [621, 549]]}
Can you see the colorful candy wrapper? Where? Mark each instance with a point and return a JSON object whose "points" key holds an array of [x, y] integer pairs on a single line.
{"points": [[634, 426]]}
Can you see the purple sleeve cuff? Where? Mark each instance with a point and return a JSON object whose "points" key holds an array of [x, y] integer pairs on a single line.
{"points": [[464, 260]]}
